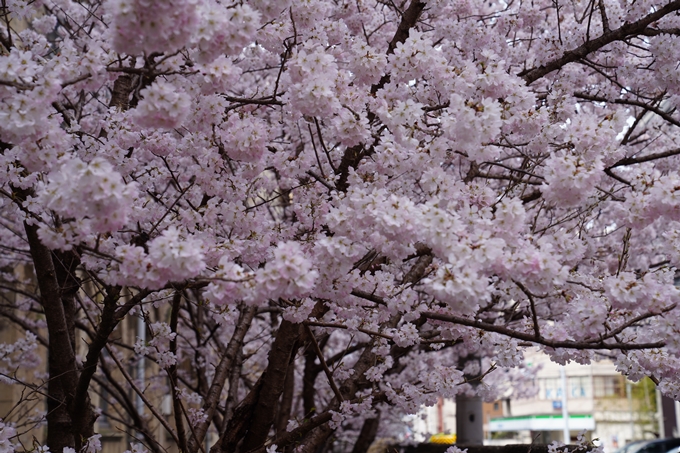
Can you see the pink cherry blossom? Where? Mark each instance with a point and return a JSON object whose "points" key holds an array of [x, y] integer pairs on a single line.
{"points": [[162, 106], [321, 212]]}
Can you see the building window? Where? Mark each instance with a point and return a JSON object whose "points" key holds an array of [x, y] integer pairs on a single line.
{"points": [[105, 407], [551, 388], [609, 387], [579, 387]]}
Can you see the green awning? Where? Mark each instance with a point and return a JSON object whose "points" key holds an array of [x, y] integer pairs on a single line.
{"points": [[541, 423]]}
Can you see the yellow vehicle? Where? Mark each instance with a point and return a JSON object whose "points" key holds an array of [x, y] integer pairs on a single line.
{"points": [[442, 438]]}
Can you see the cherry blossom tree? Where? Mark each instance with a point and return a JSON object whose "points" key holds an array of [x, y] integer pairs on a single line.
{"points": [[320, 211]]}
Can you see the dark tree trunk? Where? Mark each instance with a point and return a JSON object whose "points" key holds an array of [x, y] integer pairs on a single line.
{"points": [[367, 435], [308, 381], [228, 363], [61, 362], [273, 385], [286, 405]]}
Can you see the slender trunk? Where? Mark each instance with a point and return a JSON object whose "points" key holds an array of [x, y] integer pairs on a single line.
{"points": [[221, 374], [286, 406], [273, 384], [367, 435], [234, 378], [308, 383], [172, 374], [61, 362], [239, 422], [83, 415]]}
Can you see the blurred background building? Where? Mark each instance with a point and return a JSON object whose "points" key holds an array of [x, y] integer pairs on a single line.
{"points": [[611, 410]]}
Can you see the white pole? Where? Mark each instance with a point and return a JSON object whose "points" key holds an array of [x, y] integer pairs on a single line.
{"points": [[630, 410], [677, 419], [565, 412], [659, 415]]}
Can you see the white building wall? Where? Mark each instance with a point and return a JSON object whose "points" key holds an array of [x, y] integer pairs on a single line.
{"points": [[615, 421]]}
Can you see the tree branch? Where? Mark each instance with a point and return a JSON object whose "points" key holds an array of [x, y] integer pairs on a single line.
{"points": [[61, 356], [273, 379], [633, 102], [353, 154], [534, 317], [221, 374], [542, 341], [642, 159], [177, 409], [106, 326], [161, 419], [621, 33], [327, 371]]}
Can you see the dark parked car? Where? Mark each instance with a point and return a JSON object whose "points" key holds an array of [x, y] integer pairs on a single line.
{"points": [[651, 446], [631, 447], [674, 450]]}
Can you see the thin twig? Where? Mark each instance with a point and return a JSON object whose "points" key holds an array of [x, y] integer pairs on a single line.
{"points": [[532, 303], [326, 370], [128, 378]]}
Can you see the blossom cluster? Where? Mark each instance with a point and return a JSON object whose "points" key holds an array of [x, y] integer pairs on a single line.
{"points": [[470, 125], [312, 75], [570, 180], [224, 30], [172, 256], [162, 106], [158, 347], [6, 434], [244, 140], [92, 192], [289, 274], [142, 26]]}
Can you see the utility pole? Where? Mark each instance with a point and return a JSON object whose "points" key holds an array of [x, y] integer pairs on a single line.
{"points": [[469, 413], [629, 394], [565, 412]]}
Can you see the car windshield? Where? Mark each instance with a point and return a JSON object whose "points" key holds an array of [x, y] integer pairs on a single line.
{"points": [[632, 447], [657, 446]]}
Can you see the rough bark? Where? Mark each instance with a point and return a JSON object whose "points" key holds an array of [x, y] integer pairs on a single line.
{"points": [[61, 363], [122, 87], [65, 266], [367, 435], [83, 416], [273, 384], [286, 405], [221, 374], [239, 421], [315, 440], [299, 434]]}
